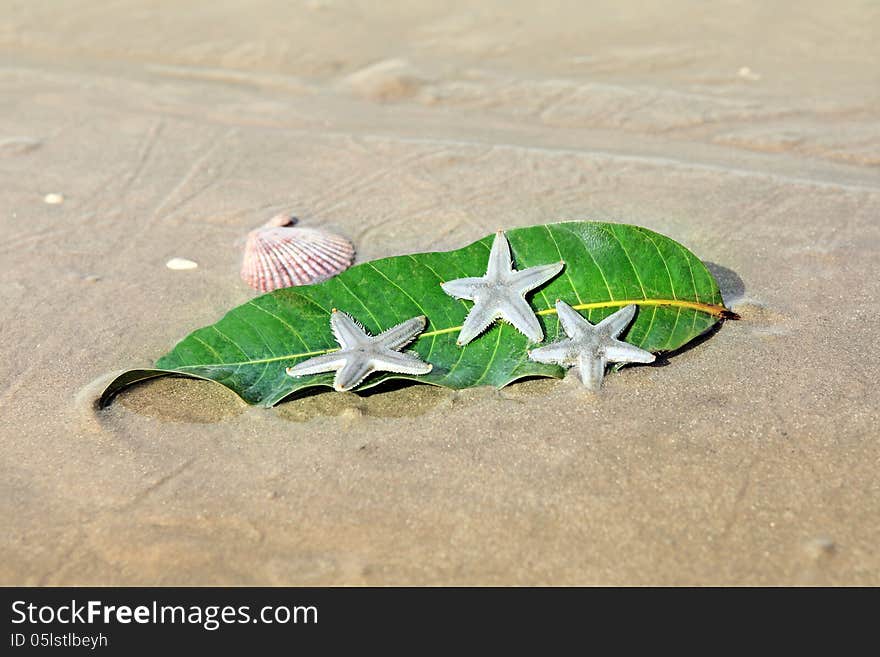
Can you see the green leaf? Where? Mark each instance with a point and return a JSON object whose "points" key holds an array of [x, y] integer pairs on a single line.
{"points": [[607, 266]]}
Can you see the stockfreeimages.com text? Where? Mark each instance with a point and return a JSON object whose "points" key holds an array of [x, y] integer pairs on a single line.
{"points": [[211, 617]]}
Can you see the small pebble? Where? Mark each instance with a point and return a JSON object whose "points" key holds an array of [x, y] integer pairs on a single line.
{"points": [[820, 547], [388, 80], [351, 413], [18, 145], [748, 74], [180, 264], [53, 199]]}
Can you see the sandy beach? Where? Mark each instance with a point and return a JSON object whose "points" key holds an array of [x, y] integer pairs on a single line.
{"points": [[747, 131]]}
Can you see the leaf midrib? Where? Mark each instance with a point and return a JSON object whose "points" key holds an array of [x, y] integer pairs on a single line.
{"points": [[710, 309]]}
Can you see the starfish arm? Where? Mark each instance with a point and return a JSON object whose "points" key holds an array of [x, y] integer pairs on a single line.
{"points": [[347, 331], [402, 334], [401, 363], [614, 324], [622, 352], [529, 279], [499, 258], [462, 288], [553, 354], [592, 370], [355, 370], [318, 364], [573, 323], [477, 321], [518, 312]]}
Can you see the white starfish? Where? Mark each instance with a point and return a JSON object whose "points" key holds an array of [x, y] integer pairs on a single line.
{"points": [[501, 293], [590, 347], [361, 354]]}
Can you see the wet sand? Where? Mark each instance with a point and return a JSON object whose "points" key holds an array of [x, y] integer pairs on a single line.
{"points": [[745, 132]]}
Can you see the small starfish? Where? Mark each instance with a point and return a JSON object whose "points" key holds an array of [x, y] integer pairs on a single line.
{"points": [[501, 293], [361, 354], [591, 347]]}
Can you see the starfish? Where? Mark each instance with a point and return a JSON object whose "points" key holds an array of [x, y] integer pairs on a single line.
{"points": [[591, 347], [361, 354], [501, 293]]}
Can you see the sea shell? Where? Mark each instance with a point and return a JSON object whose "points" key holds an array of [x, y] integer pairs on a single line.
{"points": [[282, 255]]}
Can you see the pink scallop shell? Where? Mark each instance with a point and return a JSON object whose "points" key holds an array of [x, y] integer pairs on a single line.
{"points": [[280, 255]]}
